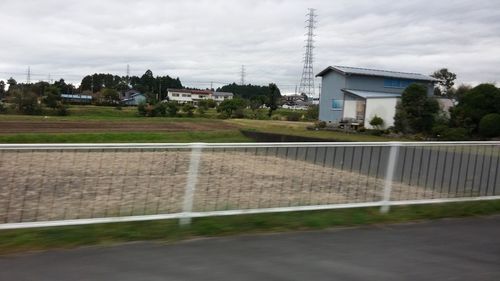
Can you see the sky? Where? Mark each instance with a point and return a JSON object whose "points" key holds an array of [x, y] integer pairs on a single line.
{"points": [[209, 40]]}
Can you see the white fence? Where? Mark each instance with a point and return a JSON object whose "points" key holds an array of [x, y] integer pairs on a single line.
{"points": [[70, 184]]}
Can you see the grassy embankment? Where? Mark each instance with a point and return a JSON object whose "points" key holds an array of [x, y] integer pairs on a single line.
{"points": [[12, 241]]}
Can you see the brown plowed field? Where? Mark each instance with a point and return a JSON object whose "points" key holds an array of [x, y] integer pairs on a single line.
{"points": [[12, 127]]}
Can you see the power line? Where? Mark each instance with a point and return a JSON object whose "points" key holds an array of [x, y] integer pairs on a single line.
{"points": [[307, 80]]}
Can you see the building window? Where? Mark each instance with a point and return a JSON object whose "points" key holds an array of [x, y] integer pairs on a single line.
{"points": [[175, 95], [397, 83], [337, 104]]}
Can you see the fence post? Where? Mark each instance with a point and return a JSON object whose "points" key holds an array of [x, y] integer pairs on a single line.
{"points": [[391, 167], [192, 179]]}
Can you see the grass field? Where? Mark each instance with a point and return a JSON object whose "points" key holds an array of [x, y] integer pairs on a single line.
{"points": [[12, 241], [129, 116]]}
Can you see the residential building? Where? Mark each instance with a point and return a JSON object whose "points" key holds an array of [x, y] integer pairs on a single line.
{"points": [[194, 96], [221, 96], [135, 99], [360, 93], [76, 98]]}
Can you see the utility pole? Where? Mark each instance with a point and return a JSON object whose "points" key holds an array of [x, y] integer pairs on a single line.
{"points": [[243, 74], [92, 84], [128, 75], [307, 80]]}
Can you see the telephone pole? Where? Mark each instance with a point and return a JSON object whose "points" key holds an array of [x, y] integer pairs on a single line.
{"points": [[307, 80]]}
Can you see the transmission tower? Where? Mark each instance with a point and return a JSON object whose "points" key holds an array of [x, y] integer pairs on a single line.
{"points": [[243, 74], [307, 80], [28, 76], [128, 72]]}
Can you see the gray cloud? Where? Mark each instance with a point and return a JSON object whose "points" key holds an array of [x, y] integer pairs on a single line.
{"points": [[209, 40]]}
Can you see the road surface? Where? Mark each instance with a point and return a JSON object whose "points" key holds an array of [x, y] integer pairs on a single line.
{"points": [[456, 249]]}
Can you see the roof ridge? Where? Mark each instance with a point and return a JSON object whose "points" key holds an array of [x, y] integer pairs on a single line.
{"points": [[373, 69]]}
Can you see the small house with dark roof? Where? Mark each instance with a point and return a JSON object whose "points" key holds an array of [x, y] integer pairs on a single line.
{"points": [[359, 94]]}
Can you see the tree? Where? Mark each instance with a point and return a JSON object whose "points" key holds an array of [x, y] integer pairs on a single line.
{"points": [[416, 112], [110, 96], [12, 82], [312, 112], [2, 89], [489, 126], [245, 91], [446, 82], [273, 98], [228, 107], [474, 104], [52, 97], [26, 103]]}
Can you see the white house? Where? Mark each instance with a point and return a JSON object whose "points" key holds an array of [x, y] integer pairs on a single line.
{"points": [[194, 96]]}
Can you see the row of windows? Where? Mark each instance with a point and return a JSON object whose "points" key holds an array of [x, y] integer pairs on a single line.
{"points": [[397, 83]]}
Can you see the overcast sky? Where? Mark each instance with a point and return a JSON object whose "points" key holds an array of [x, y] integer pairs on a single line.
{"points": [[203, 41]]}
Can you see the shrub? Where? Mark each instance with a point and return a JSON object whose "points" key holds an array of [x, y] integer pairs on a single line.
{"points": [[320, 124], [160, 109], [454, 134], [489, 126], [26, 103], [3, 108], [61, 109], [293, 116], [377, 122], [188, 109], [312, 112], [172, 108]]}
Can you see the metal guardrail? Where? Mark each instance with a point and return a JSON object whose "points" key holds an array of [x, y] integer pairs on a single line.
{"points": [[68, 184]]}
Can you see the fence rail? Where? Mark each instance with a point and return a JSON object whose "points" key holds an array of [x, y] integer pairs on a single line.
{"points": [[67, 184]]}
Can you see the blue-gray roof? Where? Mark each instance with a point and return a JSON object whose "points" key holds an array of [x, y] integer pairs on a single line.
{"points": [[375, 72], [369, 94]]}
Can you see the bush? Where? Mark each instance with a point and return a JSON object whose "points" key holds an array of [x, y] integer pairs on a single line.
{"points": [[26, 103], [61, 110], [320, 124], [454, 134], [489, 126], [293, 116], [172, 108], [3, 108], [377, 122], [312, 112], [188, 109], [160, 109]]}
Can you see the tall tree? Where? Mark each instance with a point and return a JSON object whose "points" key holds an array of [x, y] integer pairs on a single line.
{"points": [[273, 98], [445, 83], [416, 112]]}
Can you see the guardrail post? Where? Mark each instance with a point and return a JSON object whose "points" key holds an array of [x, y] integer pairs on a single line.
{"points": [[192, 179], [391, 167]]}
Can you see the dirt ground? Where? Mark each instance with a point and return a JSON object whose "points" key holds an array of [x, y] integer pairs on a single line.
{"points": [[71, 184], [12, 127]]}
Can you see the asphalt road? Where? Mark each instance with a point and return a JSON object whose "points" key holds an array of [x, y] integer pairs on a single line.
{"points": [[458, 249]]}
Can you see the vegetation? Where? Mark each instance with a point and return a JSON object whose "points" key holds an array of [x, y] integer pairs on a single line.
{"points": [[489, 126], [12, 241], [245, 91], [377, 122], [445, 83], [416, 112], [474, 105]]}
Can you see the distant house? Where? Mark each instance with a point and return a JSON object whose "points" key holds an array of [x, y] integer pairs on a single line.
{"points": [[135, 99], [128, 94], [297, 105], [221, 96], [359, 93], [76, 98], [194, 96]]}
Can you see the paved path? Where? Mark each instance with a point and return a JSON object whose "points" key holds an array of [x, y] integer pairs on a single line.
{"points": [[458, 249]]}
